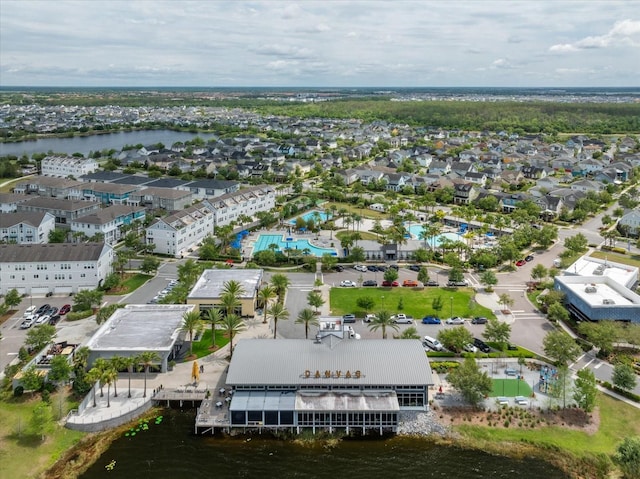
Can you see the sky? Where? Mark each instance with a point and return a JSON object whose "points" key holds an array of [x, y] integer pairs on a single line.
{"points": [[327, 43]]}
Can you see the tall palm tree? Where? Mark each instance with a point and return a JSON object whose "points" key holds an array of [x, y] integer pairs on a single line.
{"points": [[130, 362], [265, 295], [101, 365], [146, 360], [278, 311], [233, 325], [109, 377], [229, 303], [117, 363], [81, 358], [280, 283], [188, 271], [92, 377], [233, 287], [191, 323], [308, 318], [382, 321], [214, 317]]}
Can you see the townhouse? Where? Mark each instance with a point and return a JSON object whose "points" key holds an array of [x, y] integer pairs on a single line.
{"points": [[65, 166], [246, 202], [25, 227], [176, 234], [108, 221]]}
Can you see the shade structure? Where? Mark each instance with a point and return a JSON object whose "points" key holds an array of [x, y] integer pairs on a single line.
{"points": [[195, 372]]}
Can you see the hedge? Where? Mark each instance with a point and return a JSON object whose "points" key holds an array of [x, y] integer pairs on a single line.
{"points": [[76, 315]]}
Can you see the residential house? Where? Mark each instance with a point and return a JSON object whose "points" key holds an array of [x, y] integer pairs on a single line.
{"points": [[26, 228], [550, 206], [168, 199], [246, 202], [9, 202], [56, 268], [465, 193], [479, 178], [533, 172], [108, 221], [53, 187], [176, 234], [396, 181], [64, 211], [65, 166], [203, 189], [587, 185], [440, 167], [630, 223], [108, 193]]}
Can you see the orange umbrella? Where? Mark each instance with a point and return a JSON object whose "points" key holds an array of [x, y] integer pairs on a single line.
{"points": [[195, 371]]}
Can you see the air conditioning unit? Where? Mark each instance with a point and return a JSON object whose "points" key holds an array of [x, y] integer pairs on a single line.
{"points": [[608, 301], [591, 289]]}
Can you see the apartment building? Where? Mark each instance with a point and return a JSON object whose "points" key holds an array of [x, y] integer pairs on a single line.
{"points": [[65, 166], [108, 221], [249, 201], [181, 231], [26, 228]]}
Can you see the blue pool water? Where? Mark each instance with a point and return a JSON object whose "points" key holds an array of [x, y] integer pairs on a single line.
{"points": [[416, 229], [264, 241], [309, 215]]}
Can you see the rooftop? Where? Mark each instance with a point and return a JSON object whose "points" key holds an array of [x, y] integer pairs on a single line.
{"points": [[33, 253], [211, 282], [618, 272]]}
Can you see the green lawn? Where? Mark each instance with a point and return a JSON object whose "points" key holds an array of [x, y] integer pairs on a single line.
{"points": [[134, 282], [201, 347], [416, 303], [365, 235], [510, 388], [631, 260]]}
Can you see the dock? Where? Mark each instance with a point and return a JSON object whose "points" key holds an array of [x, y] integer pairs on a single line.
{"points": [[212, 414], [179, 396]]}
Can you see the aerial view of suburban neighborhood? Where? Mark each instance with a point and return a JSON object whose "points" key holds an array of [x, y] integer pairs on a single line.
{"points": [[319, 275]]}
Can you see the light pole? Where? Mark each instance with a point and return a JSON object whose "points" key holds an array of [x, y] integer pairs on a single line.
{"points": [[382, 298], [451, 306]]}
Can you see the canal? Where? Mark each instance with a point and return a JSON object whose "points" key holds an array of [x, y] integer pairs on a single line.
{"points": [[167, 449]]}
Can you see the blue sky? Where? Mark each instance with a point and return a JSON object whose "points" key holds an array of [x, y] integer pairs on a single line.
{"points": [[320, 43]]}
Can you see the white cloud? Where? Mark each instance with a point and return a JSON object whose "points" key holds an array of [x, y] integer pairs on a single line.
{"points": [[623, 33]]}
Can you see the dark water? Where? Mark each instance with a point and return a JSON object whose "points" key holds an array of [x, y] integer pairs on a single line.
{"points": [[86, 144], [169, 451]]}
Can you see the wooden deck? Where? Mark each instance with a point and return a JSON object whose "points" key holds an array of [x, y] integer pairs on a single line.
{"points": [[212, 414], [180, 396]]}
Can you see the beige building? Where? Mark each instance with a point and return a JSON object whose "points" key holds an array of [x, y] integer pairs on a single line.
{"points": [[208, 289]]}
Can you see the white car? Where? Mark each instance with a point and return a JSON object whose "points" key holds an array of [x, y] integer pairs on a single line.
{"points": [[455, 320], [470, 348], [402, 319], [30, 310], [348, 284], [44, 319], [27, 323], [369, 317], [360, 267]]}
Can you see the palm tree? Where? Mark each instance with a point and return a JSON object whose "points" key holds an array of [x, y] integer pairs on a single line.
{"points": [[146, 360], [229, 303], [265, 295], [81, 358], [191, 323], [280, 283], [92, 377], [129, 363], [278, 311], [314, 299], [308, 318], [188, 271], [101, 365], [232, 324], [382, 321], [117, 363], [233, 287], [109, 376], [214, 317]]}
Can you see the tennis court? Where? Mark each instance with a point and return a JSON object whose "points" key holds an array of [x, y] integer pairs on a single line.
{"points": [[510, 388]]}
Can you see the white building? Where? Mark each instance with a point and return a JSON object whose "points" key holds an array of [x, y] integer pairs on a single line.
{"points": [[175, 234], [26, 228], [108, 221], [65, 166], [631, 221], [248, 202], [61, 268]]}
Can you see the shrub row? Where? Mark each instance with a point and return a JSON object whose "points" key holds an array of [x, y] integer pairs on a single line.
{"points": [[76, 315], [620, 391]]}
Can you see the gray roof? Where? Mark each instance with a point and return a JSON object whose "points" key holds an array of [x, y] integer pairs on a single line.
{"points": [[211, 282], [105, 215], [140, 327], [285, 362], [59, 204], [43, 253], [12, 198], [11, 219]]}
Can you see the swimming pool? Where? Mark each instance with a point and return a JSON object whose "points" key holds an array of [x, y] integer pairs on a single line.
{"points": [[416, 229], [264, 241], [310, 215]]}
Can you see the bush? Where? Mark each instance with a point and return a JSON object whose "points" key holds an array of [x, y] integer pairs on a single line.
{"points": [[76, 315], [18, 391]]}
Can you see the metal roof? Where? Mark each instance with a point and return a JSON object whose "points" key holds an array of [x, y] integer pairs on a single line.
{"points": [[43, 253], [296, 362], [211, 283]]}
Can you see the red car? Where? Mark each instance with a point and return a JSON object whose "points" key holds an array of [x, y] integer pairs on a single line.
{"points": [[64, 309], [410, 283], [521, 262], [389, 284]]}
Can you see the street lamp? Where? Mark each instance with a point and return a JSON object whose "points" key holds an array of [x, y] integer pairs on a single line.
{"points": [[451, 306], [382, 297]]}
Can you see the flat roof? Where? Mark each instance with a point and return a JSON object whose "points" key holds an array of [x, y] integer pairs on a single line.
{"points": [[140, 327], [211, 282], [618, 272], [598, 293], [305, 362]]}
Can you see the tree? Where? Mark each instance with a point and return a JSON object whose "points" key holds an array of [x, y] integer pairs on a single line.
{"points": [[585, 389], [390, 275], [357, 254], [214, 317], [470, 381], [602, 334], [232, 324], [130, 363], [87, 299], [146, 359], [409, 333], [109, 377], [624, 377], [117, 363], [560, 347], [437, 304], [191, 323], [382, 321], [229, 303], [41, 421], [60, 369], [314, 299], [497, 331], [280, 283], [455, 338], [489, 280], [577, 243], [57, 236], [149, 264], [505, 300], [40, 336], [12, 298], [366, 303], [234, 288], [80, 359], [308, 318], [92, 377], [456, 274], [31, 379], [423, 275], [627, 457], [105, 313], [539, 272], [265, 295], [278, 311], [556, 312]]}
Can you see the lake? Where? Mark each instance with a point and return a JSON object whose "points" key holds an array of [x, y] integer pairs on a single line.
{"points": [[86, 144], [169, 450]]}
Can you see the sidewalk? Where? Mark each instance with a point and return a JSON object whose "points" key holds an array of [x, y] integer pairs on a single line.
{"points": [[491, 301]]}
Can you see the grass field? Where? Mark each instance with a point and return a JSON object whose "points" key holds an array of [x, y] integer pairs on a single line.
{"points": [[631, 260], [201, 347], [510, 388], [415, 302]]}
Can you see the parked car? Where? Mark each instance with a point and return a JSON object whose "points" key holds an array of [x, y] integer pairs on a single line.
{"points": [[360, 267], [53, 320], [369, 317], [431, 283], [394, 266], [64, 309], [414, 267], [390, 284], [411, 283], [43, 309], [370, 282], [455, 320], [470, 348], [431, 320], [52, 311], [347, 283], [382, 268], [457, 284], [27, 323], [512, 347], [349, 318], [402, 319], [44, 319], [521, 262], [479, 320], [432, 343], [481, 345], [338, 267], [528, 258], [372, 268], [30, 310]]}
